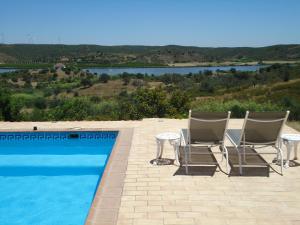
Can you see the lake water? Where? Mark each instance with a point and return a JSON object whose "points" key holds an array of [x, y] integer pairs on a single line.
{"points": [[160, 70], [5, 70], [169, 70]]}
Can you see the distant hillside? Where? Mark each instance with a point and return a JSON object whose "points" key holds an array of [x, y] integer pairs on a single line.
{"points": [[156, 55]]}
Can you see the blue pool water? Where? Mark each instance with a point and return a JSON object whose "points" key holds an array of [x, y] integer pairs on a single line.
{"points": [[50, 178]]}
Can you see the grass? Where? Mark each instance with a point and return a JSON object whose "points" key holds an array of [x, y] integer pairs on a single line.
{"points": [[123, 65], [294, 124], [139, 64], [109, 89], [27, 66]]}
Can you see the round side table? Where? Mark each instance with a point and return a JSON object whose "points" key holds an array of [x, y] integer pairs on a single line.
{"points": [[290, 140], [174, 140]]}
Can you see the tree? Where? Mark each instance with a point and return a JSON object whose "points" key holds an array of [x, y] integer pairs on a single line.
{"points": [[73, 109], [54, 76], [180, 101], [86, 82], [286, 76], [207, 72], [144, 103], [138, 83], [207, 86], [104, 78], [126, 78], [232, 70], [40, 103], [5, 107]]}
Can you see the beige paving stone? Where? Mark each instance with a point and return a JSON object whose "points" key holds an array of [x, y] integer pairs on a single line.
{"points": [[135, 215], [133, 203], [149, 197], [177, 208], [134, 192], [172, 221], [125, 221], [148, 222], [161, 202], [148, 208], [211, 221], [128, 198], [161, 215]]}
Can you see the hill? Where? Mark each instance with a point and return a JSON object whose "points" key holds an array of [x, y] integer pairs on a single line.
{"points": [[140, 55]]}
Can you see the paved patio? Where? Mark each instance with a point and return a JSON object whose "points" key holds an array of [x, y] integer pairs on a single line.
{"points": [[164, 195]]}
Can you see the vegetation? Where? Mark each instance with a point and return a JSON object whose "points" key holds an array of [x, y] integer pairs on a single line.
{"points": [[72, 94], [32, 55]]}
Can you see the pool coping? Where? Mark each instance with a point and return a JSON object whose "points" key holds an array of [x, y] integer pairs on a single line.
{"points": [[107, 200], [106, 203]]}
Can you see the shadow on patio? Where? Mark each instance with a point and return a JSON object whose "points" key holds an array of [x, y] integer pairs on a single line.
{"points": [[206, 164]]}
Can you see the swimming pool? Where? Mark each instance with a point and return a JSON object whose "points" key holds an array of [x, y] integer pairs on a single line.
{"points": [[50, 178]]}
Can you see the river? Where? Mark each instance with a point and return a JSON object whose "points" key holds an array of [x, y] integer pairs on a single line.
{"points": [[170, 70]]}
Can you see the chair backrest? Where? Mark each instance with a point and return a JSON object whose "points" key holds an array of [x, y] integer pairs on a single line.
{"points": [[207, 127], [263, 127]]}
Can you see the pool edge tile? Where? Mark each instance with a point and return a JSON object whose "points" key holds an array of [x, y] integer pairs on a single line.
{"points": [[108, 188]]}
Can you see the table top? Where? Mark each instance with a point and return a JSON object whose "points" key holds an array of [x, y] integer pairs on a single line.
{"points": [[168, 136], [291, 137]]}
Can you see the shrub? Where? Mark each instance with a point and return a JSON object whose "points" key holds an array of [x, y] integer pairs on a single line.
{"points": [[73, 109], [104, 78], [237, 108]]}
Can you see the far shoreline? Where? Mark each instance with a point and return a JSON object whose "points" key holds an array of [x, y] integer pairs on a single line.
{"points": [[171, 65]]}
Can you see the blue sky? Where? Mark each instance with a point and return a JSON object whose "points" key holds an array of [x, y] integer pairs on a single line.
{"points": [[151, 22]]}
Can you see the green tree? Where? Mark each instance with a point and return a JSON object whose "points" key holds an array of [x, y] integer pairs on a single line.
{"points": [[126, 78], [5, 107], [104, 78], [180, 101], [73, 109], [86, 82], [150, 103]]}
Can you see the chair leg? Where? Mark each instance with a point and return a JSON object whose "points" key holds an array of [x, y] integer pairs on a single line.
{"points": [[281, 160], [295, 150], [244, 154], [227, 160], [279, 145], [240, 162], [186, 159], [288, 149]]}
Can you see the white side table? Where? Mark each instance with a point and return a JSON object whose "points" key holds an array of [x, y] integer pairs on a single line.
{"points": [[290, 140], [174, 140]]}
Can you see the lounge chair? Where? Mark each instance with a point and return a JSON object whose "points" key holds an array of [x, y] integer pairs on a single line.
{"points": [[260, 129], [205, 129]]}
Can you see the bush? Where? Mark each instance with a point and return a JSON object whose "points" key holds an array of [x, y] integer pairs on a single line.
{"points": [[86, 82], [106, 110], [293, 106], [40, 103], [237, 108], [180, 101], [73, 109], [138, 83], [104, 78], [5, 106], [144, 103]]}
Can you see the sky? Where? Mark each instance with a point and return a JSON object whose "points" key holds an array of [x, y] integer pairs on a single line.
{"points": [[204, 23]]}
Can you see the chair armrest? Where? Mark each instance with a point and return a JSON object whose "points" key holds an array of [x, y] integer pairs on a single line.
{"points": [[184, 137]]}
